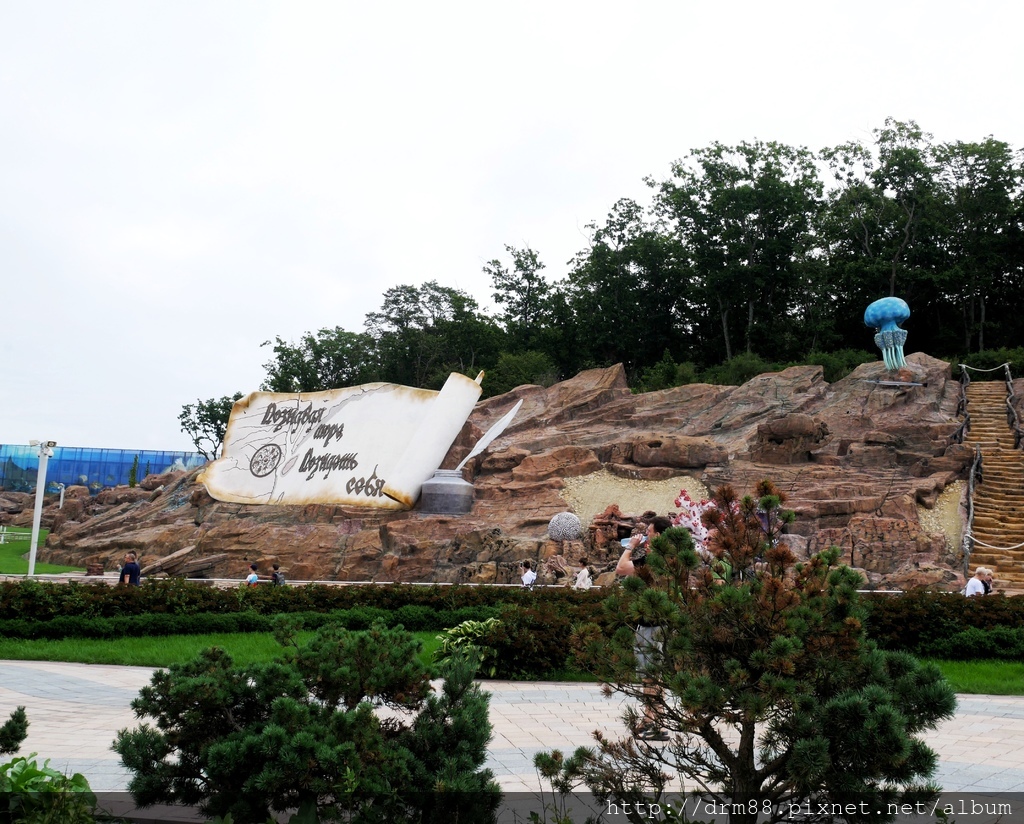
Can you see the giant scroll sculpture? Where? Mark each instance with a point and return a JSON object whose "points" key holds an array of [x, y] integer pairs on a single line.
{"points": [[884, 316], [370, 445]]}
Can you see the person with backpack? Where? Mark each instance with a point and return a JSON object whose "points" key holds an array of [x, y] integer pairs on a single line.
{"points": [[277, 577]]}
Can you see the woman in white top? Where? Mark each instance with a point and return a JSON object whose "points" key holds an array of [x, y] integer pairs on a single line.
{"points": [[529, 576], [583, 580]]}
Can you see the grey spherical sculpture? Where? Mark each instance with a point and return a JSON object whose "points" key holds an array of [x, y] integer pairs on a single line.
{"points": [[884, 315], [565, 527]]}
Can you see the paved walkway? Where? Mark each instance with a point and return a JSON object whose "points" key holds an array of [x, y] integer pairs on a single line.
{"points": [[75, 710]]}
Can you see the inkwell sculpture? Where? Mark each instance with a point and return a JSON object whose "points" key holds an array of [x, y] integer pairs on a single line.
{"points": [[446, 492]]}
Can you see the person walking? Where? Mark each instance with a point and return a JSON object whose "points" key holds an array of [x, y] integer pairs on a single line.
{"points": [[976, 585], [529, 576], [648, 643], [253, 577], [131, 572], [583, 579]]}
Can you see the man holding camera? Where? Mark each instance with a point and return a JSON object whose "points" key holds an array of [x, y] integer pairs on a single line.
{"points": [[633, 561]]}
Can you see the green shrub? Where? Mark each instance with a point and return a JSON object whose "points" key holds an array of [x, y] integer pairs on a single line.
{"points": [[974, 643], [525, 368], [990, 359], [25, 603], [666, 374], [470, 637], [916, 619], [300, 734], [837, 365], [529, 641], [34, 794], [738, 370], [415, 617]]}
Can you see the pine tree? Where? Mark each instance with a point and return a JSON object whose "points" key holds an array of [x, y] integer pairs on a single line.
{"points": [[13, 731], [769, 688], [302, 733]]}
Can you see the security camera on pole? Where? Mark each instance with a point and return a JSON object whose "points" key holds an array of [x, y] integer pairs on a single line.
{"points": [[45, 453]]}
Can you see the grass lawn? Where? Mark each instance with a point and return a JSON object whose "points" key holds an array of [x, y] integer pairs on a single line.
{"points": [[969, 677], [14, 557], [162, 651], [988, 677]]}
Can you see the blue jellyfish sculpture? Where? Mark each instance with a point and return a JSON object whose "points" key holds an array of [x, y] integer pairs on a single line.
{"points": [[884, 316]]}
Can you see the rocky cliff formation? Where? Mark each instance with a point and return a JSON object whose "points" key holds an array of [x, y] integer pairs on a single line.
{"points": [[864, 462]]}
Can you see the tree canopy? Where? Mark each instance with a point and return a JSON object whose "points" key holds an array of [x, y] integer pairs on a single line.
{"points": [[759, 250]]}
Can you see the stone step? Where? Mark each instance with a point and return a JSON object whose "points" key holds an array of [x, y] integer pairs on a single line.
{"points": [[999, 498]]}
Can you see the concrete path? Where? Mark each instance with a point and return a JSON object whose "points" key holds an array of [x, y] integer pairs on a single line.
{"points": [[75, 710]]}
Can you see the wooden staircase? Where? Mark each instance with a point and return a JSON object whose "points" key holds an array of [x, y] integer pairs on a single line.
{"points": [[999, 498]]}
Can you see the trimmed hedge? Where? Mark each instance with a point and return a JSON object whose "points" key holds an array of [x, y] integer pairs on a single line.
{"points": [[537, 640], [123, 626], [917, 620], [969, 644], [532, 639], [45, 600]]}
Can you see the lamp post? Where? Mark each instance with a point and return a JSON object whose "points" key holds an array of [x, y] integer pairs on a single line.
{"points": [[45, 453]]}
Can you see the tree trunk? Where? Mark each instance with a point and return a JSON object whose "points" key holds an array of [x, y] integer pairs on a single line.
{"points": [[750, 323], [724, 312], [981, 323], [747, 790]]}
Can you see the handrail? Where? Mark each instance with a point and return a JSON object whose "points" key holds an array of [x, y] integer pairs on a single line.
{"points": [[973, 478], [1012, 419], [961, 408]]}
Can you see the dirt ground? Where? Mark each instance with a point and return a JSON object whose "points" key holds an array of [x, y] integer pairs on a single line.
{"points": [[947, 517], [590, 495]]}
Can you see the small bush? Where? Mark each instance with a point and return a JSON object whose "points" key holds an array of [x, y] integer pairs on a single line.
{"points": [[470, 637], [918, 618], [738, 370], [666, 374], [33, 793], [529, 642], [837, 365], [990, 359], [973, 643]]}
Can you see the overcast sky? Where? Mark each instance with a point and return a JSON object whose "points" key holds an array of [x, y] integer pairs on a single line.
{"points": [[181, 181]]}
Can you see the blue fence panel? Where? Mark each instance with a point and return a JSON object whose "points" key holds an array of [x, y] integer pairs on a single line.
{"points": [[84, 466]]}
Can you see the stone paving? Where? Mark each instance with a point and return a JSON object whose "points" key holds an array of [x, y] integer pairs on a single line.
{"points": [[75, 710]]}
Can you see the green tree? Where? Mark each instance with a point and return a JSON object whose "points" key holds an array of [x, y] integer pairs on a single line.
{"points": [[13, 731], [327, 359], [206, 423], [133, 473], [878, 232], [524, 368], [981, 243], [523, 292], [766, 681], [630, 292], [302, 733], [743, 214], [422, 333]]}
